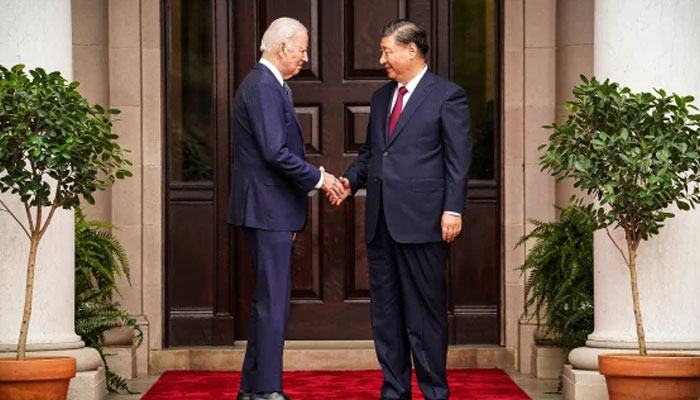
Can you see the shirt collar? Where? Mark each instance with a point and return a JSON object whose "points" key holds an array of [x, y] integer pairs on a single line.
{"points": [[274, 70], [411, 85]]}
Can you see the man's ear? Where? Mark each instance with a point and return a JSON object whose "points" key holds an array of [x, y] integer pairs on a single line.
{"points": [[412, 50]]}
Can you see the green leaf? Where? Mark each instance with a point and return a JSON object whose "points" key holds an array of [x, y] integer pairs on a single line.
{"points": [[634, 154], [559, 264], [609, 188], [51, 127]]}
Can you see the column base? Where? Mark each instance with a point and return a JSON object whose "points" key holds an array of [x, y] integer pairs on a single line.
{"points": [[142, 352], [121, 360], [586, 358], [581, 378], [128, 361], [580, 384], [526, 343], [88, 385], [86, 358], [548, 361]]}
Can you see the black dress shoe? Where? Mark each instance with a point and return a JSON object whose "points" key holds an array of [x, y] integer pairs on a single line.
{"points": [[271, 396], [244, 396]]}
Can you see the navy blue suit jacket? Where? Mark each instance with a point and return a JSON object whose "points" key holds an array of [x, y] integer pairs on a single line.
{"points": [[270, 179], [423, 168]]}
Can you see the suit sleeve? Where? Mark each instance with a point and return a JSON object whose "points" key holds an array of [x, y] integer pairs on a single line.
{"points": [[456, 137], [357, 172], [267, 118]]}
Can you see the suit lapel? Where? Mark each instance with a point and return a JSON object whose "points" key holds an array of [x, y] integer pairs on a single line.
{"points": [[289, 103], [424, 87], [294, 112], [283, 93], [383, 110]]}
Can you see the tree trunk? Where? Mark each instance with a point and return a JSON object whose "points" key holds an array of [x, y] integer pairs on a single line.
{"points": [[635, 300], [31, 263]]}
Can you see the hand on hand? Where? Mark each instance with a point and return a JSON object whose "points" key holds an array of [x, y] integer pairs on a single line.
{"points": [[451, 226], [331, 186], [336, 201]]}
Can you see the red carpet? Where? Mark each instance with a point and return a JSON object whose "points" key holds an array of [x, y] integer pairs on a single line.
{"points": [[472, 384]]}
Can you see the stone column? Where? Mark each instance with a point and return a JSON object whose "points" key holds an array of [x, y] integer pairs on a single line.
{"points": [[644, 44], [38, 34], [538, 196]]}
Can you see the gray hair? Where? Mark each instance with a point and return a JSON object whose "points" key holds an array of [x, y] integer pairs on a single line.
{"points": [[280, 31]]}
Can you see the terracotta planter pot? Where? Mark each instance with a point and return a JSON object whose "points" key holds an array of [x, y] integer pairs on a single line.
{"points": [[657, 376], [36, 378]]}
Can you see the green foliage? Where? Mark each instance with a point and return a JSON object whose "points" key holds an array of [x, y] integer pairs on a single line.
{"points": [[560, 283], [635, 153], [99, 257], [99, 261], [49, 130], [54, 150]]}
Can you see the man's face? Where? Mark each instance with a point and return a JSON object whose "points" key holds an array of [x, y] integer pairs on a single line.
{"points": [[396, 58], [293, 54]]}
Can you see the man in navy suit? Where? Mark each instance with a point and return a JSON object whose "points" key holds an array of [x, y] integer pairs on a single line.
{"points": [[270, 184], [415, 163]]}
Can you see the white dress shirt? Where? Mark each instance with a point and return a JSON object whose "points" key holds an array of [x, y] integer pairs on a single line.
{"points": [[274, 70], [278, 75], [411, 86]]}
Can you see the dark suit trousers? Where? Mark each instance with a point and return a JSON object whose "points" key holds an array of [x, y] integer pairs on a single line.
{"points": [[271, 252], [409, 313]]}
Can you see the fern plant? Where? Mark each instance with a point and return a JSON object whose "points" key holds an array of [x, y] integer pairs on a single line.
{"points": [[560, 284], [99, 260]]}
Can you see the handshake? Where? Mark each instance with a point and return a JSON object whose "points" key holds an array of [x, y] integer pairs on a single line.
{"points": [[336, 189]]}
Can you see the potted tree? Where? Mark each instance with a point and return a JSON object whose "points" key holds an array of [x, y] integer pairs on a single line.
{"points": [[636, 155], [54, 150]]}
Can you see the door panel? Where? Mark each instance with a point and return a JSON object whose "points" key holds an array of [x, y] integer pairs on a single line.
{"points": [[191, 214], [329, 280], [306, 12], [330, 277], [362, 33]]}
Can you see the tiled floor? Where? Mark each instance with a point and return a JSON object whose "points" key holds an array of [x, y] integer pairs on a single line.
{"points": [[537, 389]]}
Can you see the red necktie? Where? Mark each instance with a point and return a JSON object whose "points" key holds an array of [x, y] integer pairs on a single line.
{"points": [[396, 112]]}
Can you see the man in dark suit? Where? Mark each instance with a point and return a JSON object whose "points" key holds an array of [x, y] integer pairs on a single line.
{"points": [[270, 184], [415, 163]]}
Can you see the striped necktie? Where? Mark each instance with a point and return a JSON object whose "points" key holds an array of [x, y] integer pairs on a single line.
{"points": [[289, 91]]}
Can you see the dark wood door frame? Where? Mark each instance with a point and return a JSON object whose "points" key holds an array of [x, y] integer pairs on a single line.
{"points": [[472, 319]]}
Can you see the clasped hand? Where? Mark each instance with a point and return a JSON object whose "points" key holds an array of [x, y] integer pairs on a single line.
{"points": [[336, 189]]}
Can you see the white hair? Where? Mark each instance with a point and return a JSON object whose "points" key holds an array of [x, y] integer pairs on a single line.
{"points": [[280, 31]]}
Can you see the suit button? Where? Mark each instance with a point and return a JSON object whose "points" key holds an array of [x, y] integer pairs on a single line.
{"points": [[386, 154], [376, 179]]}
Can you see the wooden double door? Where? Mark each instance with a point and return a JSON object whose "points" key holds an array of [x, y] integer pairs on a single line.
{"points": [[209, 49]]}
